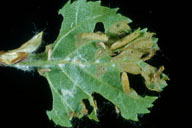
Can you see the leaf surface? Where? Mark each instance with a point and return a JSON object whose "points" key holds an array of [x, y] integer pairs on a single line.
{"points": [[86, 73], [82, 62]]}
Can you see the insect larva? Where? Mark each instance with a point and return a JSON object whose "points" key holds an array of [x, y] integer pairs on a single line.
{"points": [[13, 58], [125, 83], [117, 110], [49, 53], [48, 50], [95, 36], [125, 40], [95, 104], [42, 71], [102, 45], [20, 56]]}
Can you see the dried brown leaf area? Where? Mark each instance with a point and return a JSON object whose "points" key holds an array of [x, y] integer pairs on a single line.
{"points": [[21, 53], [129, 49]]}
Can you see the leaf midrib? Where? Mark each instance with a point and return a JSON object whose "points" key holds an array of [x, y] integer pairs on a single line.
{"points": [[53, 63]]}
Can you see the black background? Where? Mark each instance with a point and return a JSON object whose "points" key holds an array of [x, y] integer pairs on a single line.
{"points": [[25, 97]]}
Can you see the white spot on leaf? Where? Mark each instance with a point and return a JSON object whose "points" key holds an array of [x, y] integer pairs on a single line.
{"points": [[97, 61], [24, 68], [67, 59], [67, 93], [113, 65], [82, 65]]}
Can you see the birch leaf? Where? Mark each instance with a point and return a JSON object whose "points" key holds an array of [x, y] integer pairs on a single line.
{"points": [[81, 62]]}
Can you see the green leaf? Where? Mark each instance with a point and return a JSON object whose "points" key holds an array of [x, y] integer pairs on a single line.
{"points": [[81, 17], [81, 62]]}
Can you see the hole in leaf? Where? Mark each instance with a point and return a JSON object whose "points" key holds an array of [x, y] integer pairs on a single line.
{"points": [[158, 59], [145, 55], [105, 107], [137, 83], [88, 106], [107, 114], [99, 27]]}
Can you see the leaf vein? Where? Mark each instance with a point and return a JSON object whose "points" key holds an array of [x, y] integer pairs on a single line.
{"points": [[52, 86], [76, 26], [73, 80]]}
